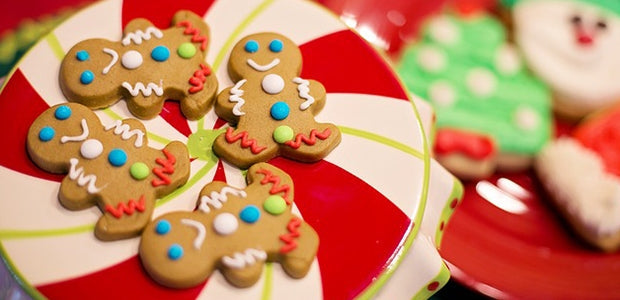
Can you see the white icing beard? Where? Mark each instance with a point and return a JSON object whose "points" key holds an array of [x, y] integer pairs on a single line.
{"points": [[584, 76]]}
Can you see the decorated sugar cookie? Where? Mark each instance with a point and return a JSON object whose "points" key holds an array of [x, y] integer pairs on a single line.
{"points": [[271, 107], [572, 46], [145, 68], [491, 113], [234, 230], [109, 166]]}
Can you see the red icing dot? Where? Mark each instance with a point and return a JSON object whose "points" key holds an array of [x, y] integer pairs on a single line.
{"points": [[433, 286]]}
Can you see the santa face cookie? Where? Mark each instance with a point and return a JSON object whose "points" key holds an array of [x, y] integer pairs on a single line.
{"points": [[233, 230], [272, 107], [145, 68], [108, 166], [573, 46]]}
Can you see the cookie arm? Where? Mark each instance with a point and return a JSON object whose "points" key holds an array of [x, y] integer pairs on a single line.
{"points": [[225, 108], [316, 91]]}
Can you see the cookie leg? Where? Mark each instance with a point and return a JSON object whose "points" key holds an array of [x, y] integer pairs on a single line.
{"points": [[312, 145], [125, 219], [296, 261], [200, 99], [240, 149], [175, 250], [244, 274], [144, 100]]}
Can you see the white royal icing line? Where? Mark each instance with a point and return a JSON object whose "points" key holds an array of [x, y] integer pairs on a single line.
{"points": [[78, 138], [140, 35], [145, 90], [241, 260], [235, 96], [303, 87], [78, 175], [263, 68], [114, 55], [126, 133], [217, 198], [202, 231]]}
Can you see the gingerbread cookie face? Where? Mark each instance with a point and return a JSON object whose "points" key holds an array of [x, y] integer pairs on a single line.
{"points": [[145, 68], [272, 107], [233, 230], [109, 166]]}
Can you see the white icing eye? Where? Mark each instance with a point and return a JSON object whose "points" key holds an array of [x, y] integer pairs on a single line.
{"points": [[91, 148], [273, 84], [131, 59], [225, 224]]}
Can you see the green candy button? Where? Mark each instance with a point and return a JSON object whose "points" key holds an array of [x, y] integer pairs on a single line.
{"points": [[275, 205], [283, 134], [186, 50], [139, 171]]}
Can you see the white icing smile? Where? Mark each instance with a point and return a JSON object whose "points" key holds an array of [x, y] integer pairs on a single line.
{"points": [[201, 231], [263, 68], [114, 55]]}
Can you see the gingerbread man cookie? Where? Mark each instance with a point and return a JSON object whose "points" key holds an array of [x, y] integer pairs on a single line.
{"points": [[111, 167], [272, 107], [233, 230], [145, 68]]}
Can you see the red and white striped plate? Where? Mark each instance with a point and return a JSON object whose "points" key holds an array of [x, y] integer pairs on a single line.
{"points": [[378, 202]]}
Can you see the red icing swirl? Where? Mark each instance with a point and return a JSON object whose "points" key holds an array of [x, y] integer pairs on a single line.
{"points": [[473, 145]]}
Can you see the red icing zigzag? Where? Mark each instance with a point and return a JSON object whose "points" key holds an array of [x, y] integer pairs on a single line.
{"points": [[289, 238], [121, 208], [276, 188], [199, 78], [309, 140], [245, 141], [196, 38], [167, 168]]}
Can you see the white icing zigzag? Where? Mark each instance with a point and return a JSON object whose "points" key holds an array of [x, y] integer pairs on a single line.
{"points": [[78, 138], [145, 90], [303, 87], [202, 231], [126, 133], [216, 199], [114, 59], [235, 96], [241, 260], [140, 35], [79, 176]]}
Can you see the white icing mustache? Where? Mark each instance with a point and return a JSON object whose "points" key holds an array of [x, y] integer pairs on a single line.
{"points": [[263, 68]]}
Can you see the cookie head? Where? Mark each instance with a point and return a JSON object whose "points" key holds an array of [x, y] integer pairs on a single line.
{"points": [[61, 133], [90, 71], [259, 53]]}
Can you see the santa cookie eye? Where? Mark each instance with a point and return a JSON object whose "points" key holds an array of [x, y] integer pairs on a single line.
{"points": [[576, 19], [276, 46], [601, 24], [251, 46]]}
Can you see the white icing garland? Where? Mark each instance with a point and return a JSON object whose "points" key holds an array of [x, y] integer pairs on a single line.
{"points": [[140, 35], [77, 174], [145, 90], [78, 138], [263, 68], [114, 55], [216, 199], [202, 231], [303, 87], [235, 97], [241, 260], [126, 133]]}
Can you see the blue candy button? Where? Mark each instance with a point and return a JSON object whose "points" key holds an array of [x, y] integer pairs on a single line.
{"points": [[251, 46], [175, 252], [249, 214], [117, 157], [279, 110], [82, 55], [160, 53], [276, 45], [163, 227]]}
